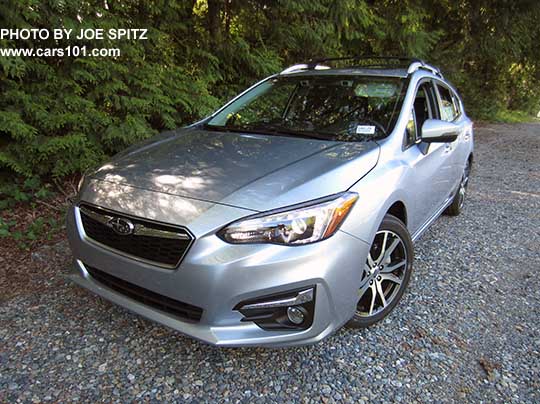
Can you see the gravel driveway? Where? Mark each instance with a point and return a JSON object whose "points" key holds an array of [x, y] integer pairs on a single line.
{"points": [[466, 331]]}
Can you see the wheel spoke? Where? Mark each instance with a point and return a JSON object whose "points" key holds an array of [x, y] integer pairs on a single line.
{"points": [[383, 249], [367, 268], [392, 268], [364, 283], [381, 293], [390, 250], [391, 278], [373, 296], [370, 261], [363, 288]]}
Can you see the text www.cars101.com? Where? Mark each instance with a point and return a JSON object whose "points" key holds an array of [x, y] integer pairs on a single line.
{"points": [[69, 51]]}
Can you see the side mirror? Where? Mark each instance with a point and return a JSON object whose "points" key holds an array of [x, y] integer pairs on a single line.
{"points": [[437, 131]]}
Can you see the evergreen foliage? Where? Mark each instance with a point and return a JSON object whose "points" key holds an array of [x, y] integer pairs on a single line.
{"points": [[59, 116]]}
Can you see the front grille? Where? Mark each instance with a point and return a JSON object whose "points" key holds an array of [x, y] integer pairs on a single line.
{"points": [[180, 309], [153, 242]]}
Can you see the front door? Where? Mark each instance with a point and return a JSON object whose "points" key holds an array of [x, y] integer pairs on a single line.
{"points": [[431, 164]]}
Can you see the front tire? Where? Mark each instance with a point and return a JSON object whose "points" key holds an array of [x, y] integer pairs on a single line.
{"points": [[386, 273]]}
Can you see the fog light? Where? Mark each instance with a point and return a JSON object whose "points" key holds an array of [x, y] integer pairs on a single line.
{"points": [[290, 310], [295, 315]]}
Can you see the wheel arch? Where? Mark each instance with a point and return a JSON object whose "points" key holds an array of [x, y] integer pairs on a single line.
{"points": [[366, 229], [391, 198], [398, 210]]}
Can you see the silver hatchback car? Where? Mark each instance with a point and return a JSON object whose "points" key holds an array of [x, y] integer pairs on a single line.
{"points": [[284, 215]]}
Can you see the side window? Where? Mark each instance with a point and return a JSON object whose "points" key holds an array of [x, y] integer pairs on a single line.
{"points": [[411, 132], [457, 104], [422, 110], [449, 111]]}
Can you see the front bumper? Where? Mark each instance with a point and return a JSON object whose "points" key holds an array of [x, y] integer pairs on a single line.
{"points": [[217, 276]]}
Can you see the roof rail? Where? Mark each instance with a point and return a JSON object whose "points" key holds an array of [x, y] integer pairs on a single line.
{"points": [[412, 64], [303, 66], [423, 65]]}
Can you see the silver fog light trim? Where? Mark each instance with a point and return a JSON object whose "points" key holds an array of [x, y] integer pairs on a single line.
{"points": [[302, 297]]}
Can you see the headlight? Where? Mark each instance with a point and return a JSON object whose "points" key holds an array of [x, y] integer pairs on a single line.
{"points": [[294, 225]]}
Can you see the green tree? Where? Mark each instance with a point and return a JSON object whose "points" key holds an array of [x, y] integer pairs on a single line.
{"points": [[60, 115]]}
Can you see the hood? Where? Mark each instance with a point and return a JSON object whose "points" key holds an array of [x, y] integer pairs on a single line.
{"points": [[256, 172]]}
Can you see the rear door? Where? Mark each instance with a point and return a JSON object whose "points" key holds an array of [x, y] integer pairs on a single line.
{"points": [[450, 111]]}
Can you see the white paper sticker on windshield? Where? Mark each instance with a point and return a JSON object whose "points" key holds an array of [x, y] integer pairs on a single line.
{"points": [[365, 130]]}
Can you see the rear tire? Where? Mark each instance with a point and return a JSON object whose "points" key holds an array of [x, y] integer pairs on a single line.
{"points": [[386, 273], [459, 198]]}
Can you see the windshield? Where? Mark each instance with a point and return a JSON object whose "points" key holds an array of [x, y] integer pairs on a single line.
{"points": [[342, 108]]}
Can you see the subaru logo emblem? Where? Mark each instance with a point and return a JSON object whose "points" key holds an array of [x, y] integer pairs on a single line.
{"points": [[121, 226]]}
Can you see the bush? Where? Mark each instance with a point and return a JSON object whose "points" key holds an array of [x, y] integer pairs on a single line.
{"points": [[61, 115]]}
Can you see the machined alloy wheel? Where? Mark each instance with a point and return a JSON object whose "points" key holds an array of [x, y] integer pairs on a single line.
{"points": [[386, 273], [463, 185]]}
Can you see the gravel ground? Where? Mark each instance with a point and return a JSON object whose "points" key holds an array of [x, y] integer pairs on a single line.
{"points": [[467, 330]]}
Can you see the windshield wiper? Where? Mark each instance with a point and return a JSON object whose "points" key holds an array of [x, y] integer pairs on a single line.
{"points": [[269, 130], [298, 133]]}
